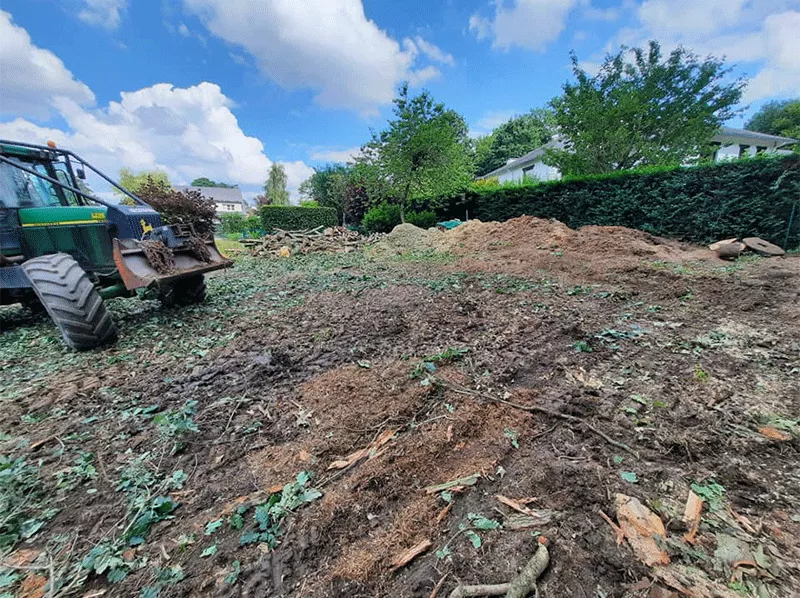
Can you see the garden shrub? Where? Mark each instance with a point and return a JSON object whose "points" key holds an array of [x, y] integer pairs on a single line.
{"points": [[425, 219], [296, 218], [747, 198], [231, 223], [180, 207], [381, 218]]}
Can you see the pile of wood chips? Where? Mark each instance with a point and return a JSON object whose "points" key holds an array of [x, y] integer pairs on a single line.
{"points": [[285, 243]]}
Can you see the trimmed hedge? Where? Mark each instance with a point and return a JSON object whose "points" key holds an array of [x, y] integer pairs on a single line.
{"points": [[296, 218], [746, 198]]}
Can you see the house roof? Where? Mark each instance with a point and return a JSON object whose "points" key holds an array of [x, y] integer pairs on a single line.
{"points": [[218, 194], [726, 134], [731, 134], [523, 161]]}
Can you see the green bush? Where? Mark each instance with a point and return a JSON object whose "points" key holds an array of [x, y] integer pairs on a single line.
{"points": [[296, 218], [754, 197], [425, 219], [381, 219], [231, 223]]}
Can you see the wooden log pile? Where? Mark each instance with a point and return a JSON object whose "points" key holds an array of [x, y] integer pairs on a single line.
{"points": [[337, 239]]}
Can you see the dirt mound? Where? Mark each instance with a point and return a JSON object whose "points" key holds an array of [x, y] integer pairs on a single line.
{"points": [[407, 238], [524, 245]]}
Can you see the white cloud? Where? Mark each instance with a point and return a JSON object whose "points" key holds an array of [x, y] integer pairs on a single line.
{"points": [[184, 30], [529, 24], [103, 13], [188, 132], [781, 76], [31, 77], [432, 51], [763, 36], [329, 46], [335, 155]]}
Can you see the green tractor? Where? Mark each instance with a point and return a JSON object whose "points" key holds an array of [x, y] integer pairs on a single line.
{"points": [[64, 250]]}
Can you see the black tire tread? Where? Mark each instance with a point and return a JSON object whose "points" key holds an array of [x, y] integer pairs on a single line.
{"points": [[70, 298]]}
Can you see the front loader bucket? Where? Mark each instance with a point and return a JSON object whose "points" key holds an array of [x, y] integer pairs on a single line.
{"points": [[137, 271]]}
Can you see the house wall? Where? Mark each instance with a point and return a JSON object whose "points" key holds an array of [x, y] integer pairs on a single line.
{"points": [[229, 207]]}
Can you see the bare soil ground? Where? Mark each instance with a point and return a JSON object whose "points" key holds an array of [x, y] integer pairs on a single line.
{"points": [[154, 467]]}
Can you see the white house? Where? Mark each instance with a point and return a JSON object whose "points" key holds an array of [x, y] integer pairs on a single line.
{"points": [[730, 144], [228, 201]]}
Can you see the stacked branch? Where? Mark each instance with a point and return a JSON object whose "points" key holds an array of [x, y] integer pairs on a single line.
{"points": [[337, 239]]}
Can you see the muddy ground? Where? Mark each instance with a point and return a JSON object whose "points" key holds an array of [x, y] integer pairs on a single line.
{"points": [[168, 464]]}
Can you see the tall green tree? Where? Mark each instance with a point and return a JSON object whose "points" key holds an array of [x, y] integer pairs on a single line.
{"points": [[327, 186], [515, 138], [649, 110], [424, 151], [777, 118], [275, 187], [135, 182], [206, 182]]}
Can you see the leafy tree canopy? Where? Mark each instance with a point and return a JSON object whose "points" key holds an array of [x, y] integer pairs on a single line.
{"points": [[513, 139], [777, 118], [650, 110], [275, 187], [327, 187], [206, 182], [135, 182], [424, 151]]}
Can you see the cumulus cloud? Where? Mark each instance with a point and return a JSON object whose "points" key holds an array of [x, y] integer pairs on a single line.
{"points": [[329, 46], [530, 24], [32, 77], [760, 35], [432, 51], [187, 132], [781, 75], [103, 13]]}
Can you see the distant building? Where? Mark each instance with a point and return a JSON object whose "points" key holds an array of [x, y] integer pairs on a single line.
{"points": [[729, 143], [228, 200]]}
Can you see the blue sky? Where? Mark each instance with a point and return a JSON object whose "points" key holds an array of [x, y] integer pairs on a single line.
{"points": [[222, 88]]}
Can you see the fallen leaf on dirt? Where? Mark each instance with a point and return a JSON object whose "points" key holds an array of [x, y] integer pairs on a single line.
{"points": [[304, 456], [366, 452], [690, 581], [617, 529], [32, 586], [409, 555], [691, 516], [470, 480], [24, 557], [443, 513], [774, 433], [641, 528]]}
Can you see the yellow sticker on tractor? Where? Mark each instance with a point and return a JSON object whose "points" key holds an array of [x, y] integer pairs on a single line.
{"points": [[98, 215], [146, 228]]}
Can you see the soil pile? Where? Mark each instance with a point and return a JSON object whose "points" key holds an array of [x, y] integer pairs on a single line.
{"points": [[407, 238]]}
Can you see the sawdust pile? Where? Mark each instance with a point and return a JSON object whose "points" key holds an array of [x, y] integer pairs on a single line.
{"points": [[525, 244], [407, 238]]}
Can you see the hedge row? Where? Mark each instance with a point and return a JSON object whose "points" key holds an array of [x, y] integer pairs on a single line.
{"points": [[757, 197], [296, 218]]}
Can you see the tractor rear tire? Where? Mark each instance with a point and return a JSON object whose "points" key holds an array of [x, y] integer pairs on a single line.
{"points": [[185, 291], [69, 297]]}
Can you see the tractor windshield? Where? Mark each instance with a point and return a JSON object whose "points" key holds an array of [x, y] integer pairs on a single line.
{"points": [[19, 189]]}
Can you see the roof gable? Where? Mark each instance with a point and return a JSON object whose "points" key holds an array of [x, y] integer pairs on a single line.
{"points": [[218, 194]]}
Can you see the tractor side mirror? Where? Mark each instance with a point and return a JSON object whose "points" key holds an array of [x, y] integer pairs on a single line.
{"points": [[81, 174]]}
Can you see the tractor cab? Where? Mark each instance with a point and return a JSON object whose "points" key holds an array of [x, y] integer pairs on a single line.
{"points": [[57, 236]]}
